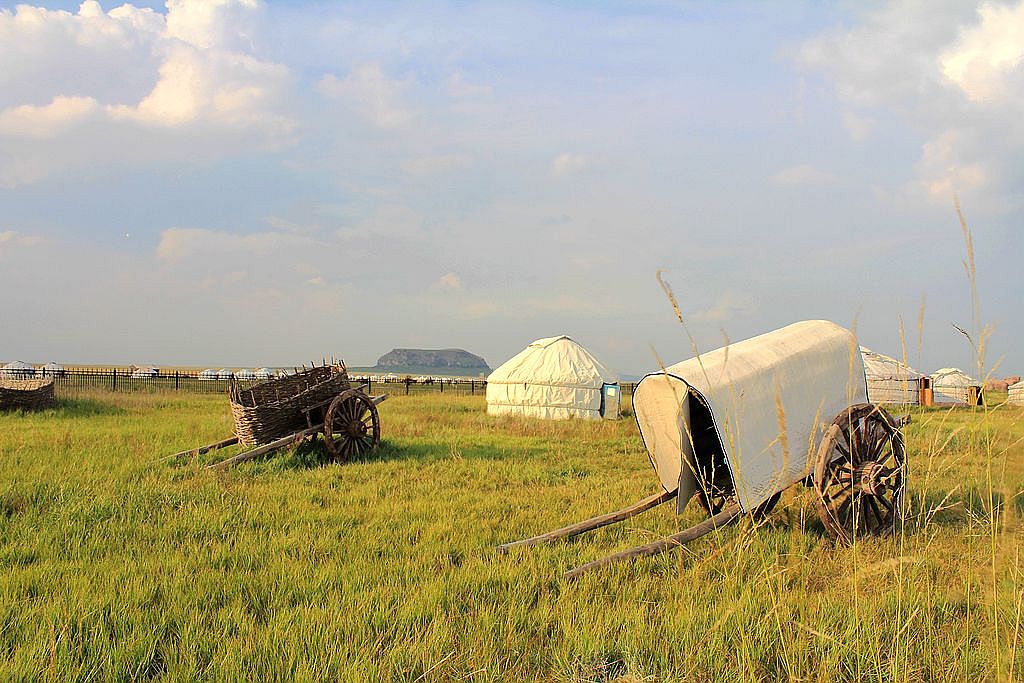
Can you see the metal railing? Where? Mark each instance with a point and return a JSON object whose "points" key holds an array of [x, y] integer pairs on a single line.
{"points": [[128, 380]]}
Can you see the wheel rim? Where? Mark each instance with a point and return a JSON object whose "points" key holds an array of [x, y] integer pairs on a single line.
{"points": [[860, 474], [351, 426]]}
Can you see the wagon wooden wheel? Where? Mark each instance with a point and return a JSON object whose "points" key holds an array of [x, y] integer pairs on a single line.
{"points": [[351, 425], [860, 474]]}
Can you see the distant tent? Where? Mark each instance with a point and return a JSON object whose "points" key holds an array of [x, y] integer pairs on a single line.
{"points": [[554, 378], [263, 373], [245, 374], [144, 371], [208, 374], [952, 385], [52, 369], [889, 380], [18, 370], [224, 373], [1016, 396]]}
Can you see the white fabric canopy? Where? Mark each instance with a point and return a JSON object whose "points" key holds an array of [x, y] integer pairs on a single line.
{"points": [[552, 378], [769, 397], [889, 380]]}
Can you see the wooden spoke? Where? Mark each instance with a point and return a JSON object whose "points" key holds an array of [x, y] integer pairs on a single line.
{"points": [[351, 425], [861, 493]]}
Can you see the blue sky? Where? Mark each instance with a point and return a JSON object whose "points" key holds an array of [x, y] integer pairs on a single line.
{"points": [[233, 182]]}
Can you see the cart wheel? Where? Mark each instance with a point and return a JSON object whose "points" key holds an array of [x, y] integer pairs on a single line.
{"points": [[351, 425], [860, 474]]}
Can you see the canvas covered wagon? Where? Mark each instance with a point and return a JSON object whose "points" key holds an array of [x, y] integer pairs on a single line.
{"points": [[733, 428], [277, 412]]}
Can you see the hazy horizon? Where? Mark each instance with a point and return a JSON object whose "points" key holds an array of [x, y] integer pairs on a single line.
{"points": [[229, 181]]}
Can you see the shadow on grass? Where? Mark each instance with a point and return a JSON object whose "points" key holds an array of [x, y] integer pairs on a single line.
{"points": [[311, 454], [86, 407]]}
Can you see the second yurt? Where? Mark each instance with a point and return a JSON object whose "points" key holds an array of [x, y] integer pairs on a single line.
{"points": [[889, 380], [952, 385], [554, 378], [1016, 395]]}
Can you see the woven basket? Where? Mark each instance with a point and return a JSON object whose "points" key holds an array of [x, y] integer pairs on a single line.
{"points": [[268, 410], [26, 394]]}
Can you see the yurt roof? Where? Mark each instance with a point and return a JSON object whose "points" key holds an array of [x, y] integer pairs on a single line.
{"points": [[555, 361], [952, 377], [19, 365], [878, 365], [53, 366]]}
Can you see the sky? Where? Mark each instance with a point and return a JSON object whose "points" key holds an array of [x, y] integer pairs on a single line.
{"points": [[232, 182]]}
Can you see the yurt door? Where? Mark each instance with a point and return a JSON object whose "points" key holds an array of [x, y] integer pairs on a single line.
{"points": [[610, 401]]}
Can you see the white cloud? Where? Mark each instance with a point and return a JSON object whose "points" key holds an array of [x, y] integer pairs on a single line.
{"points": [[449, 281], [372, 94], [731, 304], [48, 120], [858, 127], [459, 88], [178, 245], [952, 71], [435, 163], [566, 164], [804, 174], [17, 239], [987, 54], [133, 74]]}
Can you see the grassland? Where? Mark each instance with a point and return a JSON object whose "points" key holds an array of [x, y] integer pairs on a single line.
{"points": [[115, 566]]}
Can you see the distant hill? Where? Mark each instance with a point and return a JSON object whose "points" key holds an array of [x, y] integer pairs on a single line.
{"points": [[431, 362]]}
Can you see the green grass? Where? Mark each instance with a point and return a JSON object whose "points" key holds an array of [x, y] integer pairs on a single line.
{"points": [[115, 566]]}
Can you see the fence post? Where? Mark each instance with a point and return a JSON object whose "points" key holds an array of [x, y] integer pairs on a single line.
{"points": [[113, 380], [472, 387], [175, 380], [442, 385], [406, 386]]}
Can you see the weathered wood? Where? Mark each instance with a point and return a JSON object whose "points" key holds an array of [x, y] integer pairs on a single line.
{"points": [[592, 523], [726, 516], [231, 441], [266, 448]]}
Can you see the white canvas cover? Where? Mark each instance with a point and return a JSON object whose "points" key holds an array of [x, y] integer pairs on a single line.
{"points": [[950, 385], [890, 380], [224, 373], [770, 398], [553, 378], [264, 373], [208, 374], [1016, 396], [245, 374]]}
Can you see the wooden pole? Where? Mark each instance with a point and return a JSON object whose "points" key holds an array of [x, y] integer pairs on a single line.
{"points": [[592, 523], [266, 448], [202, 449], [726, 516]]}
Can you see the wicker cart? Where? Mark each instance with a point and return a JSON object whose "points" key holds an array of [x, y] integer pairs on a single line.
{"points": [[733, 428], [275, 413], [26, 394]]}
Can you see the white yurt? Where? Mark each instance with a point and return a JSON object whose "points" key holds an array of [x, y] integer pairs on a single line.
{"points": [[264, 373], [1016, 396], [245, 374], [52, 369], [17, 370], [554, 378], [144, 371], [952, 385], [208, 374], [889, 380], [224, 373]]}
